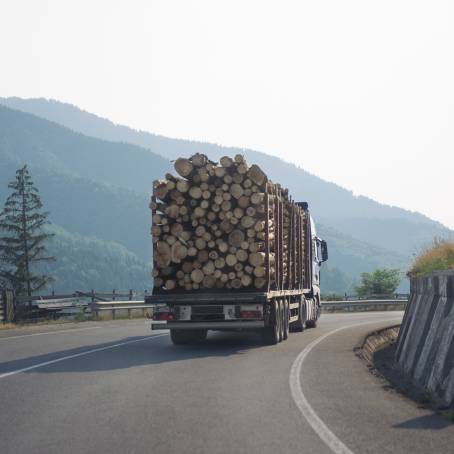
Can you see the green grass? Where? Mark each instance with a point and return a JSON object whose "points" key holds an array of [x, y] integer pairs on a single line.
{"points": [[448, 414], [438, 258]]}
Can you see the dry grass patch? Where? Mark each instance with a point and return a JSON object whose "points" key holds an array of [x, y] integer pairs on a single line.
{"points": [[7, 326], [438, 258]]}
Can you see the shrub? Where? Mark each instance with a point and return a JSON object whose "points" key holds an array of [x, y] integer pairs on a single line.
{"points": [[331, 297], [382, 281], [438, 258]]}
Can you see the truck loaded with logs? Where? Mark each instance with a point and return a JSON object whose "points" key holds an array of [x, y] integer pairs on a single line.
{"points": [[231, 251]]}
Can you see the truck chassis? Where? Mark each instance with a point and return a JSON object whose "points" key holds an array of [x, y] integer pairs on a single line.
{"points": [[274, 314]]}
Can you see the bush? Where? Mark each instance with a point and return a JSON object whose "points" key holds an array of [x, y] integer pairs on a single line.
{"points": [[438, 258], [331, 297], [383, 281]]}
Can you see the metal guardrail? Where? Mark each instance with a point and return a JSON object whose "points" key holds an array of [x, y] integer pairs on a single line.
{"points": [[99, 307], [57, 305], [365, 305], [393, 296], [93, 295]]}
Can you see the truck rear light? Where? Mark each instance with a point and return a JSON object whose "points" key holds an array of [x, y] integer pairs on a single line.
{"points": [[250, 314], [163, 316]]}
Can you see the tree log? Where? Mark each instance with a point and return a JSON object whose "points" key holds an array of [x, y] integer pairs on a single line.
{"points": [[236, 237], [231, 259], [197, 276], [178, 252], [226, 161], [236, 190], [259, 282], [183, 167], [257, 259], [195, 192]]}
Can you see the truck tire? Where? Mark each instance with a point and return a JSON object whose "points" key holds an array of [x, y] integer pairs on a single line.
{"points": [[313, 323], [271, 333], [286, 323], [298, 326], [187, 336], [281, 320]]}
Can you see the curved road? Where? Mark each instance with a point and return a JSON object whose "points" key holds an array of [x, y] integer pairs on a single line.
{"points": [[112, 388]]}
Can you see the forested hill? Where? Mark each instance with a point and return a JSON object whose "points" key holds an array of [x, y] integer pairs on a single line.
{"points": [[87, 263], [392, 228], [27, 138], [99, 189]]}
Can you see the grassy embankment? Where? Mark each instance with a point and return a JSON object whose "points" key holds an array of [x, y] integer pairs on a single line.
{"points": [[440, 257]]}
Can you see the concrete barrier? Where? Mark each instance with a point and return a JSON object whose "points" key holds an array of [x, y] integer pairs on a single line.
{"points": [[425, 347]]}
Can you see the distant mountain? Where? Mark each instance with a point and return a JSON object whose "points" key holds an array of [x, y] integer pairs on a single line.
{"points": [[327, 200], [348, 253], [101, 188], [25, 138], [401, 235]]}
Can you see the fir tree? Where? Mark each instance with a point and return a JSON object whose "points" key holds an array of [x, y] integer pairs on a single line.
{"points": [[22, 240]]}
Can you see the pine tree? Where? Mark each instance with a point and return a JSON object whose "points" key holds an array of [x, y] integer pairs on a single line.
{"points": [[22, 240]]}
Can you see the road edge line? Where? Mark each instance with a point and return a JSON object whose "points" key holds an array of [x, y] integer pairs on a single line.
{"points": [[319, 427], [77, 355], [69, 330]]}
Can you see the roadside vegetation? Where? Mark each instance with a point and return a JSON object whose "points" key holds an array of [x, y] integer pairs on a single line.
{"points": [[7, 326], [439, 257], [331, 297], [23, 240], [381, 282]]}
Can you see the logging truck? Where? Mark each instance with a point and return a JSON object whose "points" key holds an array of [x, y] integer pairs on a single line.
{"points": [[231, 251]]}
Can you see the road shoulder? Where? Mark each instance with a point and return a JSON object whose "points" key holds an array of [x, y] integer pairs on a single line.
{"points": [[355, 405]]}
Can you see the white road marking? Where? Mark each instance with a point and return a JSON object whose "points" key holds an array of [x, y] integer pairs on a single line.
{"points": [[320, 428], [77, 355], [69, 330]]}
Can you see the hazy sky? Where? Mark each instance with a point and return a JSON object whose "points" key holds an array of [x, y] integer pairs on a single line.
{"points": [[358, 92]]}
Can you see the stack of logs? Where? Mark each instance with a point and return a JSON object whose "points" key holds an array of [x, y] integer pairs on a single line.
{"points": [[212, 223]]}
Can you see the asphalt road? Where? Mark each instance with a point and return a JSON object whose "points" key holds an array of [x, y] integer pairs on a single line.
{"points": [[114, 388]]}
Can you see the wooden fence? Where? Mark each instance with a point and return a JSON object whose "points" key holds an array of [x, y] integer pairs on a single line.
{"points": [[7, 303]]}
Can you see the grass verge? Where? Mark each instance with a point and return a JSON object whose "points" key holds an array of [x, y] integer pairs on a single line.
{"points": [[440, 257], [7, 326]]}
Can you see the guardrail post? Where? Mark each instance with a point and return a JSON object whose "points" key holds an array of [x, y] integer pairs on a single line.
{"points": [[94, 312], [3, 297], [130, 295]]}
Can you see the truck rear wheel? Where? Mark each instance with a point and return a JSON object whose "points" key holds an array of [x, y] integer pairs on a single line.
{"points": [[298, 325], [271, 334], [285, 319], [187, 336], [313, 323], [281, 319]]}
